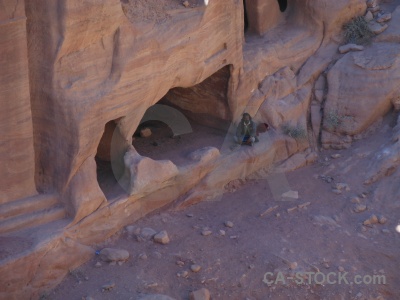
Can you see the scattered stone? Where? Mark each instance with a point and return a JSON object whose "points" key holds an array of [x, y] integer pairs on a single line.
{"points": [[195, 268], [202, 294], [269, 210], [145, 132], [132, 230], [152, 285], [113, 255], [293, 265], [327, 179], [368, 16], [143, 256], [222, 232], [186, 4], [384, 18], [162, 238], [300, 206], [371, 220], [206, 232], [189, 215], [108, 286], [291, 209], [342, 186], [147, 233], [120, 263], [336, 191], [385, 230], [382, 220], [355, 199], [229, 224], [180, 263], [341, 269], [326, 265], [376, 27], [360, 208], [98, 265], [347, 48], [374, 9], [183, 274], [291, 194], [233, 237], [336, 155], [277, 215]]}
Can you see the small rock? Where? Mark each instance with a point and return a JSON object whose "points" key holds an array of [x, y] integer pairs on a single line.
{"points": [[162, 238], [202, 294], [371, 220], [368, 16], [120, 263], [108, 286], [189, 215], [360, 208], [277, 215], [132, 230], [347, 48], [233, 237], [341, 269], [98, 265], [293, 265], [152, 285], [336, 191], [156, 297], [186, 4], [195, 268], [376, 27], [180, 263], [384, 18], [222, 232], [291, 194], [385, 230], [206, 232], [382, 220], [145, 132], [374, 9], [355, 199], [326, 265], [113, 255], [147, 233], [143, 256], [183, 274], [336, 155], [229, 224], [342, 186]]}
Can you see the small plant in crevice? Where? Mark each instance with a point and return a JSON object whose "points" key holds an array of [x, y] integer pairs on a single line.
{"points": [[295, 132], [332, 120], [357, 31]]}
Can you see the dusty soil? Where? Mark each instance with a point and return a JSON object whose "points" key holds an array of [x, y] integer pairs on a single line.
{"points": [[325, 236]]}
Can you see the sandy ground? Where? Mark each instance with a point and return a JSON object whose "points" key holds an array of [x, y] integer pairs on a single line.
{"points": [[327, 236]]}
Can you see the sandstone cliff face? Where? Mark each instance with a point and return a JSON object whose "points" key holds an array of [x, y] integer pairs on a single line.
{"points": [[16, 138]]}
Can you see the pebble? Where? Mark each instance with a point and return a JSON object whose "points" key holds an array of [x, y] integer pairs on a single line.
{"points": [[186, 4], [371, 220], [189, 215], [183, 274], [382, 220], [180, 263], [143, 256], [341, 269], [336, 191], [222, 232], [229, 224], [360, 208], [147, 233], [337, 155], [195, 268], [202, 294], [355, 199], [98, 265], [162, 238], [293, 265], [108, 286], [112, 255], [206, 232]]}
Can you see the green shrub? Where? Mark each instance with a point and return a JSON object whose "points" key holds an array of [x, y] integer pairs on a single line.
{"points": [[297, 132], [357, 31]]}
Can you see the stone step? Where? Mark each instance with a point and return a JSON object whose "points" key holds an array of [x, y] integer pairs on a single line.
{"points": [[32, 219], [26, 206]]}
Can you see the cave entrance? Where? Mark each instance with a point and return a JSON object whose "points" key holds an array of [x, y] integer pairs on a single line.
{"points": [[109, 160], [203, 106], [282, 5], [246, 20]]}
